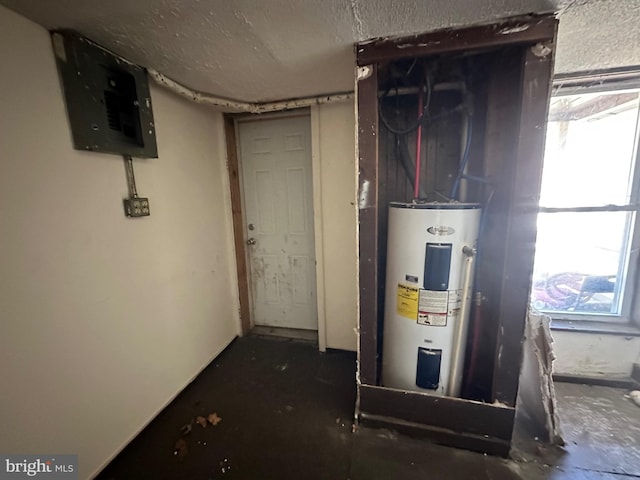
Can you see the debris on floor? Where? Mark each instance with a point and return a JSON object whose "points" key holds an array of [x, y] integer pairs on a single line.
{"points": [[180, 449], [201, 421], [214, 419], [600, 425], [225, 467], [635, 397], [186, 429]]}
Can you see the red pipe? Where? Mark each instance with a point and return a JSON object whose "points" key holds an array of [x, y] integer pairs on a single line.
{"points": [[416, 183]]}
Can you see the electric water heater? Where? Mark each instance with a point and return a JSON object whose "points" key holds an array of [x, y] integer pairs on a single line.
{"points": [[430, 255]]}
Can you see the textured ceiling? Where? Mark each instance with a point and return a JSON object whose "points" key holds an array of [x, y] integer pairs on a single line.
{"points": [[261, 50], [598, 34]]}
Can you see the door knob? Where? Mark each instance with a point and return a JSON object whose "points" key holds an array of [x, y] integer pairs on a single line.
{"points": [[251, 241]]}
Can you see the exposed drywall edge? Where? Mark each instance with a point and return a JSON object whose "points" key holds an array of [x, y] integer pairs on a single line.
{"points": [[536, 407], [318, 221], [236, 106], [153, 417]]}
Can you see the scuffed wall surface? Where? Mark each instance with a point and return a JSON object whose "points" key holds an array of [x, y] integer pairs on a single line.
{"points": [[103, 318]]}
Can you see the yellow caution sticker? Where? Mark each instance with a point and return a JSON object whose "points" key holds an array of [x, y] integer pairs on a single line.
{"points": [[407, 305]]}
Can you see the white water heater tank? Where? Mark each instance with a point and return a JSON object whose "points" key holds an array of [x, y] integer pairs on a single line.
{"points": [[429, 264]]}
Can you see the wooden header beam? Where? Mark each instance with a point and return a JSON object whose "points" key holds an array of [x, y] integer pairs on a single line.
{"points": [[518, 30]]}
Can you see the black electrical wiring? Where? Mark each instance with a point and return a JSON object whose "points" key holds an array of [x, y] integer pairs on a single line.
{"points": [[416, 124]]}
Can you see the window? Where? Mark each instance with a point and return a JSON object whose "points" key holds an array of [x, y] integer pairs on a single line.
{"points": [[585, 257]]}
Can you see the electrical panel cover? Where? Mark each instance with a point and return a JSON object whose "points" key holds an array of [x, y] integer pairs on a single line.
{"points": [[108, 99]]}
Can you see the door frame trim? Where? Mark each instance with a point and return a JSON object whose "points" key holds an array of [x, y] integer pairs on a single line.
{"points": [[318, 226], [237, 215], [237, 209]]}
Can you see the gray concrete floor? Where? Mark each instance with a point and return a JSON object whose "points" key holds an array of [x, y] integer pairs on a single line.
{"points": [[600, 425], [601, 428], [287, 413]]}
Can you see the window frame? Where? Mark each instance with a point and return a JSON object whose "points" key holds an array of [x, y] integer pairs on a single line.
{"points": [[610, 80]]}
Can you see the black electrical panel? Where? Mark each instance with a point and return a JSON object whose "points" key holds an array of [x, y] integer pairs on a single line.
{"points": [[107, 97]]}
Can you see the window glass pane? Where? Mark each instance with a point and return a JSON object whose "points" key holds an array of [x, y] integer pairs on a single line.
{"points": [[589, 150], [580, 262]]}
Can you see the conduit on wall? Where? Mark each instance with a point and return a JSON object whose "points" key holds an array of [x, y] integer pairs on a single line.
{"points": [[234, 106]]}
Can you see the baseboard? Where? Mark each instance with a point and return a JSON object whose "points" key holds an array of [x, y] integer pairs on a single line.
{"points": [[627, 383], [440, 436], [448, 421], [284, 332], [342, 351]]}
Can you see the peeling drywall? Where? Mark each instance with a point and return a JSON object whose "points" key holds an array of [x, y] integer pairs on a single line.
{"points": [[536, 410]]}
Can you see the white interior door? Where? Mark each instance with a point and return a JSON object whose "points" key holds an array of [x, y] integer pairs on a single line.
{"points": [[275, 155]]}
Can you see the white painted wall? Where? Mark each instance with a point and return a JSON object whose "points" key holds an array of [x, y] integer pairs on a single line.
{"points": [[336, 151], [103, 319], [594, 355]]}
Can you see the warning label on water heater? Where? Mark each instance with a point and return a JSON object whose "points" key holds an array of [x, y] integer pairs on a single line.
{"points": [[407, 304], [435, 306]]}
